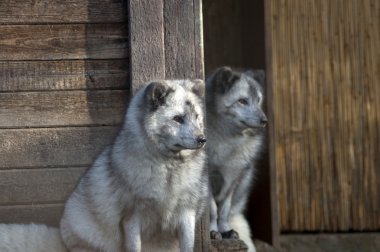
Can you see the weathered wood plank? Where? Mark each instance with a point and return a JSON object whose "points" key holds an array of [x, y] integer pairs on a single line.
{"points": [[369, 242], [62, 11], [62, 108], [228, 245], [179, 39], [66, 41], [146, 31], [65, 74], [48, 147], [37, 186], [274, 225], [44, 213]]}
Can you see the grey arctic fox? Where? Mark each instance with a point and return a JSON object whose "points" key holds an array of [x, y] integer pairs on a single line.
{"points": [[146, 191], [235, 132]]}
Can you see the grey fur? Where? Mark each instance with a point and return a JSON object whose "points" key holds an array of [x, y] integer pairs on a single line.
{"points": [[235, 131], [145, 191]]}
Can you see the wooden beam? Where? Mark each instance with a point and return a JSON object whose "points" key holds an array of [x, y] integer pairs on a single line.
{"points": [[62, 108], [274, 224], [53, 147], [62, 11], [146, 36], [63, 41], [37, 186], [39, 75]]}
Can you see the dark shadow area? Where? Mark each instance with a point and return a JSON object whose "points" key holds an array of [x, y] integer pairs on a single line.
{"points": [[234, 36]]}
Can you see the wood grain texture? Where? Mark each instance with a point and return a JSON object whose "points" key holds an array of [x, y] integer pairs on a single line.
{"points": [[228, 245], [326, 114], [368, 241], [63, 41], [62, 108], [63, 75], [38, 213], [53, 147], [62, 11], [179, 39], [146, 31], [37, 186], [274, 201]]}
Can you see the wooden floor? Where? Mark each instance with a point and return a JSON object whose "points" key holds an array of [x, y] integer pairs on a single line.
{"points": [[360, 242]]}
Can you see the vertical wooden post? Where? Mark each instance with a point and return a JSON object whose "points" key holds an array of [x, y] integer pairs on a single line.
{"points": [[146, 36], [269, 81], [166, 41]]}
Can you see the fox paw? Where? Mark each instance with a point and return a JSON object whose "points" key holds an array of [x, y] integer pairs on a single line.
{"points": [[232, 234], [215, 235]]}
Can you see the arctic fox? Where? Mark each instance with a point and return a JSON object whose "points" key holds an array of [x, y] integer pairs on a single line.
{"points": [[235, 131], [146, 190]]}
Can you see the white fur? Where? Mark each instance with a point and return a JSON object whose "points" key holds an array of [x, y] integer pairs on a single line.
{"points": [[30, 238], [240, 224], [139, 195]]}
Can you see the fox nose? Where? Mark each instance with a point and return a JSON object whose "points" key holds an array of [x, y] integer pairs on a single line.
{"points": [[263, 121], [201, 139]]}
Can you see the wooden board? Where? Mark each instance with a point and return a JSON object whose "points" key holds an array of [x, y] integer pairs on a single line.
{"points": [[63, 75], [62, 11], [37, 186], [39, 213], [179, 39], [53, 147], [62, 108], [62, 41], [368, 242], [146, 31]]}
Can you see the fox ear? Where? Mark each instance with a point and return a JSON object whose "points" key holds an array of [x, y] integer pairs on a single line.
{"points": [[224, 79], [156, 93], [198, 88], [258, 75]]}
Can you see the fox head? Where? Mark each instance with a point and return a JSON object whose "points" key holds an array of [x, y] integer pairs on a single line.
{"points": [[172, 115], [235, 99]]}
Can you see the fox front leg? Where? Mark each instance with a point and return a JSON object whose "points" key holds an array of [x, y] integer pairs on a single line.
{"points": [[132, 234], [224, 211], [187, 231], [214, 233]]}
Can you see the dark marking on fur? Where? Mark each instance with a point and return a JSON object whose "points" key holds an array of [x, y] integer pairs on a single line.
{"points": [[232, 234], [224, 79], [156, 93]]}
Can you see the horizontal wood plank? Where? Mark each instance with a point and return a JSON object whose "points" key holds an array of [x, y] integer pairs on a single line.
{"points": [[62, 11], [63, 75], [57, 42], [36, 186], [44, 213], [369, 242], [62, 108], [53, 147]]}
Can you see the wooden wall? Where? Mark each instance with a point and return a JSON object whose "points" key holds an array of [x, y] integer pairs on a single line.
{"points": [[63, 90], [325, 62]]}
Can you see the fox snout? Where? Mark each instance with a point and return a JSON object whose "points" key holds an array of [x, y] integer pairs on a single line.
{"points": [[263, 121]]}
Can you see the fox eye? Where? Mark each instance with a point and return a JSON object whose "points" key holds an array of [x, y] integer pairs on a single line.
{"points": [[243, 101], [179, 119]]}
